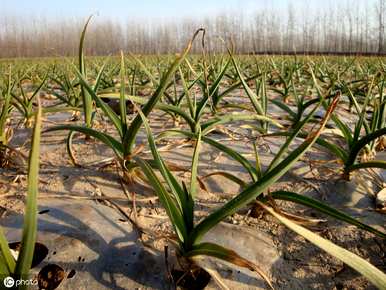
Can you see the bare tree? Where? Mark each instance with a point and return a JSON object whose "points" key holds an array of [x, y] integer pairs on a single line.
{"points": [[290, 28], [381, 10], [338, 28]]}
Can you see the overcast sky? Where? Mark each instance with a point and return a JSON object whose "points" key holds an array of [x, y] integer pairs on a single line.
{"points": [[122, 10]]}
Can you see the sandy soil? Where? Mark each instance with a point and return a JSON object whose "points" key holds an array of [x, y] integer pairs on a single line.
{"points": [[301, 265]]}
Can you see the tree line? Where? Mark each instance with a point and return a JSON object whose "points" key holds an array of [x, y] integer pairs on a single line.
{"points": [[357, 27]]}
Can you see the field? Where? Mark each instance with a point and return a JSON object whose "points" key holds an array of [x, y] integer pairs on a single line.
{"points": [[193, 171]]}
